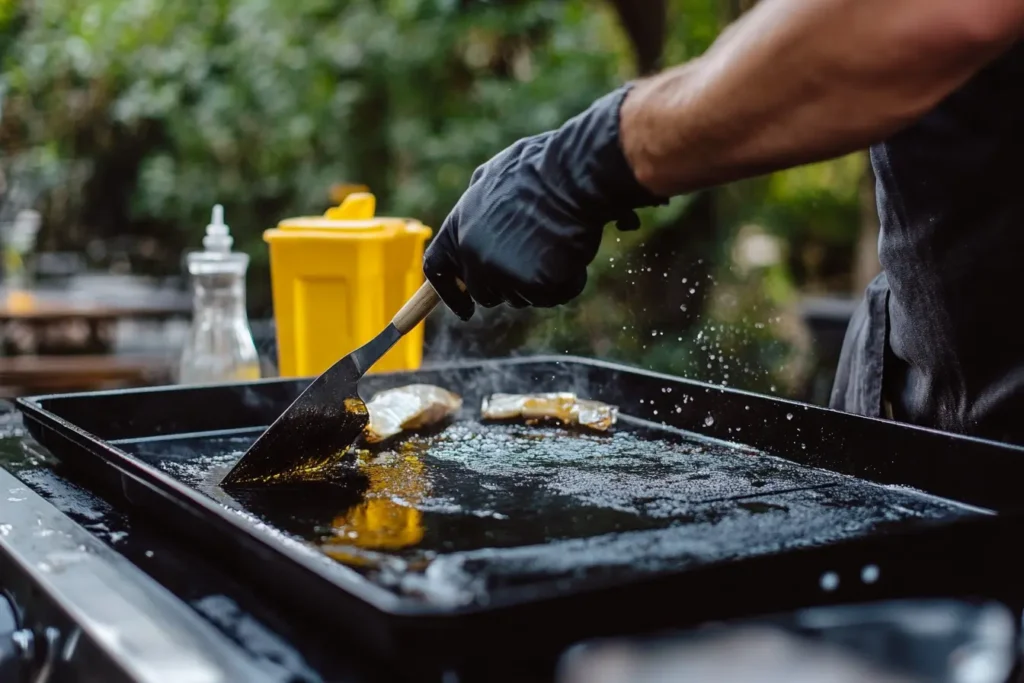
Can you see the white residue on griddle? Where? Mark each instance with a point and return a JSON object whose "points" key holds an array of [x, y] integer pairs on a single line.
{"points": [[450, 507], [732, 530], [444, 583], [644, 477]]}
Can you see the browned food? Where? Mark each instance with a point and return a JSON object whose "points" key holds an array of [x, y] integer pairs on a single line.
{"points": [[565, 407], [410, 407]]}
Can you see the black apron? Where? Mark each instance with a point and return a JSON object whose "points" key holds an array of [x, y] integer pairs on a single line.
{"points": [[938, 339]]}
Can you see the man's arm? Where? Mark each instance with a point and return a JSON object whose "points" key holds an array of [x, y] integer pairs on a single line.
{"points": [[794, 81], [798, 81]]}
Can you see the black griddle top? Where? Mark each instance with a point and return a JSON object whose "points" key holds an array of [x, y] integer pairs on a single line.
{"points": [[473, 512]]}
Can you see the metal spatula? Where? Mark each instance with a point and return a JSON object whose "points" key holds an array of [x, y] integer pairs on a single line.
{"points": [[329, 415]]}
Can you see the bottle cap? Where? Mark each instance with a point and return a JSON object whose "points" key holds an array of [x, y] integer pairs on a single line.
{"points": [[218, 237]]}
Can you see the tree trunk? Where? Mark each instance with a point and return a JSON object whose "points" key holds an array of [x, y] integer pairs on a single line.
{"points": [[371, 148], [644, 23]]}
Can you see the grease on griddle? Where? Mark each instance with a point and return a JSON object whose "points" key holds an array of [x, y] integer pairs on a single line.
{"points": [[309, 472], [387, 518], [355, 406]]}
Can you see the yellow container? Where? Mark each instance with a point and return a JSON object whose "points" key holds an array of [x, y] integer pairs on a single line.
{"points": [[338, 279]]}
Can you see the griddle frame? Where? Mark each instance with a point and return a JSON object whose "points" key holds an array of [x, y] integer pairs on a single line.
{"points": [[84, 429]]}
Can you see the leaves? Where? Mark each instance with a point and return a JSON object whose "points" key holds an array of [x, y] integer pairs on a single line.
{"points": [[122, 117]]}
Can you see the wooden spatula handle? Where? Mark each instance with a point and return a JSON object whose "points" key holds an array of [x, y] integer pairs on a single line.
{"points": [[416, 308]]}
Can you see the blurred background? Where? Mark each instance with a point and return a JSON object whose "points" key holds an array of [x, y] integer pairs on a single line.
{"points": [[123, 121]]}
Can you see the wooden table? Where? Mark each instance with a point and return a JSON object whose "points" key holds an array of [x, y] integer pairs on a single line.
{"points": [[51, 328], [57, 340], [23, 375]]}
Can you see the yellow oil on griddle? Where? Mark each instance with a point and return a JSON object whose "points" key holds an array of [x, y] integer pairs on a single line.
{"points": [[387, 519], [337, 281]]}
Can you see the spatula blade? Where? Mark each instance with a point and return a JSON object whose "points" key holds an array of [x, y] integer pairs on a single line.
{"points": [[327, 418], [312, 434]]}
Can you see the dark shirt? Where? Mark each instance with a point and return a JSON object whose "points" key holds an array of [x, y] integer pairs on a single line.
{"points": [[938, 334]]}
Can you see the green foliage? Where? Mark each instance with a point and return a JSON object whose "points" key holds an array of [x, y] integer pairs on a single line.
{"points": [[262, 105], [134, 117]]}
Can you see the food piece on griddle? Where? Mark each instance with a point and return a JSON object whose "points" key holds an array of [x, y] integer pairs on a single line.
{"points": [[409, 407], [595, 414], [562, 406]]}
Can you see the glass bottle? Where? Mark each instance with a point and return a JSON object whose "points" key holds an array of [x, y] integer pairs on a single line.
{"points": [[220, 347], [19, 242]]}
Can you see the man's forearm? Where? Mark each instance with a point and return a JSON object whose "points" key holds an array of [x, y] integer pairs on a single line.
{"points": [[797, 81]]}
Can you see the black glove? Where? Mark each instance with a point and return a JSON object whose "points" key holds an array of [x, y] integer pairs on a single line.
{"points": [[532, 218]]}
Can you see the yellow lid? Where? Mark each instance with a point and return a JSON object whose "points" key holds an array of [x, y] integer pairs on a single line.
{"points": [[354, 218]]}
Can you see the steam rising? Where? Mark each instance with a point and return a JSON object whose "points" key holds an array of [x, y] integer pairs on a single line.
{"points": [[493, 333]]}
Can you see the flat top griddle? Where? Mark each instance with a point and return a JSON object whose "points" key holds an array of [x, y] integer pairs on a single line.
{"points": [[497, 536], [474, 513]]}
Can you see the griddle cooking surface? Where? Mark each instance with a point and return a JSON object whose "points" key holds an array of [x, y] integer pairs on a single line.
{"points": [[476, 510]]}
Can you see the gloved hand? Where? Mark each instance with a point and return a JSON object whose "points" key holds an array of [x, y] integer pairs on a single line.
{"points": [[532, 218]]}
